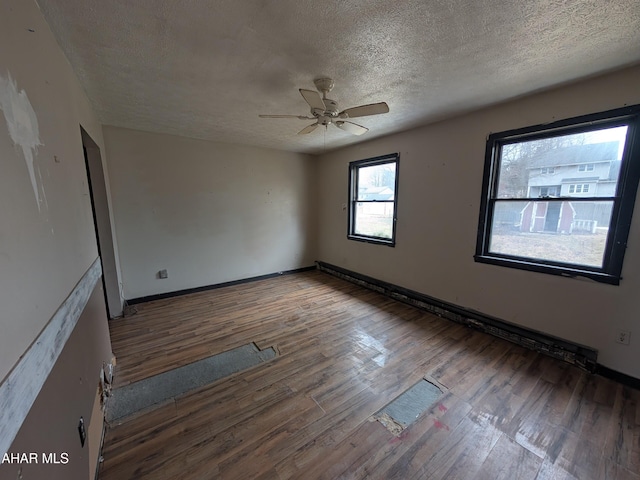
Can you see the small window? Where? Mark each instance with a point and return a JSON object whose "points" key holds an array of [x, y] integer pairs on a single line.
{"points": [[571, 235], [547, 170], [579, 188], [373, 187]]}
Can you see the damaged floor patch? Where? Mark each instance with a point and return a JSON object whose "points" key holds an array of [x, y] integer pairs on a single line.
{"points": [[403, 411], [155, 390]]}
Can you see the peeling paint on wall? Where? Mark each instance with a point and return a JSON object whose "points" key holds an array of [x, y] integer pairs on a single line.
{"points": [[23, 128]]}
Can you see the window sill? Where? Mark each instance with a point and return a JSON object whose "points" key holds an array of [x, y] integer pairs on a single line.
{"points": [[563, 271], [377, 241]]}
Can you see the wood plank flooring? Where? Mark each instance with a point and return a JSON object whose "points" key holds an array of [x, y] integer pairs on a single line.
{"points": [[344, 352]]}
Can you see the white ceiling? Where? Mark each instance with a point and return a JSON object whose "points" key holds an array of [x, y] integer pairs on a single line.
{"points": [[207, 69]]}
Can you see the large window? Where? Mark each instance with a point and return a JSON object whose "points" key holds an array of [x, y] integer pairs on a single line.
{"points": [[579, 229], [373, 188], [586, 167]]}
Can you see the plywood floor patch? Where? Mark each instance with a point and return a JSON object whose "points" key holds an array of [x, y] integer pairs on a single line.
{"points": [[408, 406], [156, 390]]}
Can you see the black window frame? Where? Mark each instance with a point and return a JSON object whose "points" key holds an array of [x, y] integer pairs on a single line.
{"points": [[353, 198], [623, 200]]}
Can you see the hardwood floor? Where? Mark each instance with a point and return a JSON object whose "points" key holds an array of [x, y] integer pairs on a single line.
{"points": [[344, 352]]}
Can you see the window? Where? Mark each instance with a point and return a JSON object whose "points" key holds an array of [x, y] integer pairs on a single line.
{"points": [[580, 188], [587, 167], [547, 170], [373, 187], [548, 191], [569, 235]]}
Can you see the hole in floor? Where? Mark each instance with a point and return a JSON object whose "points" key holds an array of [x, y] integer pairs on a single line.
{"points": [[408, 406]]}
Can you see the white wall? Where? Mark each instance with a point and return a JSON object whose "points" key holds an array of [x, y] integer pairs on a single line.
{"points": [[207, 212], [441, 169], [47, 238]]}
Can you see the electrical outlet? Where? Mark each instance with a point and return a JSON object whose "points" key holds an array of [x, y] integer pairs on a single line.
{"points": [[163, 273], [623, 337]]}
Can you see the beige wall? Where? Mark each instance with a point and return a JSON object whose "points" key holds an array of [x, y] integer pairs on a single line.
{"points": [[441, 168], [47, 239], [43, 252], [68, 394], [207, 212]]}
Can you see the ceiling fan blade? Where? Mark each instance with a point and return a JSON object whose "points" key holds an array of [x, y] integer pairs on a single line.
{"points": [[351, 127], [301, 117], [313, 99], [308, 129], [364, 110]]}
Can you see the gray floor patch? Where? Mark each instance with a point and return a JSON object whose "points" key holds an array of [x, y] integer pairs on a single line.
{"points": [[401, 412], [157, 389]]}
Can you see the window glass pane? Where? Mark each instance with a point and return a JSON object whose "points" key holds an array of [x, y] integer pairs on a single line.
{"points": [[560, 231], [377, 182], [374, 219], [564, 164]]}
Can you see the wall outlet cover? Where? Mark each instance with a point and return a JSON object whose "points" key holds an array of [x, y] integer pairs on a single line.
{"points": [[623, 337]]}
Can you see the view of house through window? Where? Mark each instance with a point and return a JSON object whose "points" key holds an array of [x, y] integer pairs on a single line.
{"points": [[552, 198], [557, 203], [373, 186]]}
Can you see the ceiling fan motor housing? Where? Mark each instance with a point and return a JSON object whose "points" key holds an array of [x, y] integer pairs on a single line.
{"points": [[332, 107], [331, 110]]}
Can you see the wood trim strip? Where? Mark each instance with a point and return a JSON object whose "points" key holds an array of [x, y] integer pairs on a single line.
{"points": [[570, 352], [21, 387]]}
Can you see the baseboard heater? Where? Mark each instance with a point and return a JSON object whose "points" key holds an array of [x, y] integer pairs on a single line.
{"points": [[573, 353]]}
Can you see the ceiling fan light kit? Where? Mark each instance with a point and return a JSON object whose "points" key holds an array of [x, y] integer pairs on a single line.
{"points": [[325, 110]]}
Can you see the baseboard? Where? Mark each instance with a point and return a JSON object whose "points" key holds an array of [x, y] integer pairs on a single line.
{"points": [[582, 356], [160, 296], [622, 378]]}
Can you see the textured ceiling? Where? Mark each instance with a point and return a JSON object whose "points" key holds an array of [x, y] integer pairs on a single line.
{"points": [[207, 69]]}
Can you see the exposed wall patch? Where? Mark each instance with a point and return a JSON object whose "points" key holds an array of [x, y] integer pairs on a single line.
{"points": [[23, 384], [23, 126]]}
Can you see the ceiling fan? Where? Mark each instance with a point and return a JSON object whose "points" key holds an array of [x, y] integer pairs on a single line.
{"points": [[325, 111]]}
